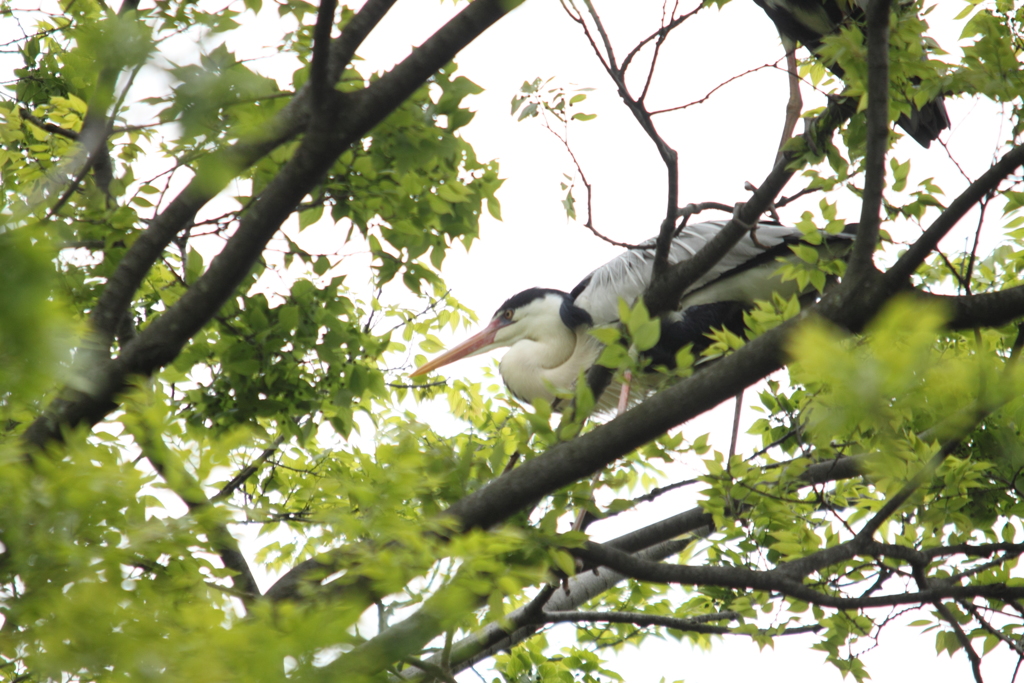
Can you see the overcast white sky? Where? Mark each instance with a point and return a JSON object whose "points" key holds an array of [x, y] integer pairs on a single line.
{"points": [[731, 139]]}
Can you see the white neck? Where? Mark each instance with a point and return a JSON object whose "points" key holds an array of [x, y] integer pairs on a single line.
{"points": [[533, 369]]}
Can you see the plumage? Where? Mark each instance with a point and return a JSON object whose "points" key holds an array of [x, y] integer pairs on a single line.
{"points": [[809, 21], [547, 330]]}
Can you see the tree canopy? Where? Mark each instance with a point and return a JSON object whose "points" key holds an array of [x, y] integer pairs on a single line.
{"points": [[212, 460]]}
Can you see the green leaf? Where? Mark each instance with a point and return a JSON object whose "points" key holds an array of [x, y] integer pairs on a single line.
{"points": [[565, 562], [614, 356], [193, 266], [806, 253], [605, 335], [899, 174], [288, 317], [638, 317], [310, 216], [647, 335]]}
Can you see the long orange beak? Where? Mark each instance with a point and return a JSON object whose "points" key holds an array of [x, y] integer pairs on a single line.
{"points": [[478, 343]]}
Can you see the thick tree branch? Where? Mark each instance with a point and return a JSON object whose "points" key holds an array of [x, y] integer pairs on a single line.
{"points": [[319, 82], [861, 256], [991, 309], [343, 49]]}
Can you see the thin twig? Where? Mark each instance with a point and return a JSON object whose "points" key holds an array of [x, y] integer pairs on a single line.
{"points": [[718, 87], [692, 625], [46, 125], [659, 35], [736, 424], [973, 610], [651, 495], [982, 206], [779, 203]]}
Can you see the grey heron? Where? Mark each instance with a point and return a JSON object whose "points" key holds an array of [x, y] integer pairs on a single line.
{"points": [[547, 330], [809, 21]]}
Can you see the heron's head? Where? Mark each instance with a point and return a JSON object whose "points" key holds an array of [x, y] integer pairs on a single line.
{"points": [[536, 314]]}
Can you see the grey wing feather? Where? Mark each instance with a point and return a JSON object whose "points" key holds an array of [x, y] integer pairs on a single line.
{"points": [[627, 276]]}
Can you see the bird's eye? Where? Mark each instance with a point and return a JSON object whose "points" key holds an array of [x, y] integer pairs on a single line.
{"points": [[508, 314]]}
